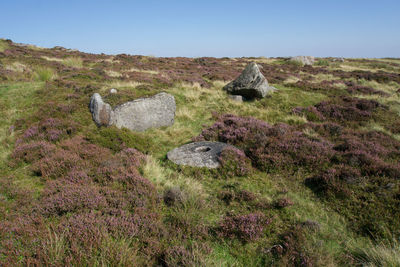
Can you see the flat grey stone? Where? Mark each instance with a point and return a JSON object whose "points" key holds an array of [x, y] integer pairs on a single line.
{"points": [[237, 98], [145, 113], [305, 60], [250, 83], [198, 154], [101, 112]]}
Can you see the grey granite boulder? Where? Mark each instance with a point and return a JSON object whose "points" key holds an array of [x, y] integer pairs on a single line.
{"points": [[198, 154], [101, 112], [136, 115], [144, 113], [250, 83], [305, 60]]}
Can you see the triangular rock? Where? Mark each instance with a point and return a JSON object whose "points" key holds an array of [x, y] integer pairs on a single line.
{"points": [[250, 84]]}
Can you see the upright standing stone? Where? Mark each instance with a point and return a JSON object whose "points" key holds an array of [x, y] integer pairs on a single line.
{"points": [[250, 84], [101, 112]]}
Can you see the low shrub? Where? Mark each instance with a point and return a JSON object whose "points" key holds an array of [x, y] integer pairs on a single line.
{"points": [[247, 227], [270, 147], [283, 203], [31, 152], [234, 162], [60, 197], [291, 250]]}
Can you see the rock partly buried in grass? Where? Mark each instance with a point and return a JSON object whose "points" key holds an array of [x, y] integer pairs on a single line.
{"points": [[305, 60], [250, 84], [236, 98], [144, 113], [102, 112], [198, 154], [136, 115]]}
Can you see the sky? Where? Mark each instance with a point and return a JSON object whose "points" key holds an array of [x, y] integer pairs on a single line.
{"points": [[216, 28]]}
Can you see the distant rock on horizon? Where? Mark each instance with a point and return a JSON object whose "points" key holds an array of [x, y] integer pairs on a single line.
{"points": [[305, 60]]}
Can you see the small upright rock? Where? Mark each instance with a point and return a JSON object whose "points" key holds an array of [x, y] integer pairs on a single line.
{"points": [[102, 112], [250, 84], [305, 60], [237, 98]]}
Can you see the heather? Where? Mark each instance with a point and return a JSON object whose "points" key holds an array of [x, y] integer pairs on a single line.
{"points": [[311, 178]]}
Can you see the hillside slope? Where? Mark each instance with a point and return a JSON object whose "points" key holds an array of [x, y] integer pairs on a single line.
{"points": [[318, 183]]}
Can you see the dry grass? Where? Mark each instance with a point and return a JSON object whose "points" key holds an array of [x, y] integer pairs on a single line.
{"points": [[153, 72], [291, 79], [75, 62], [384, 253], [324, 77], [3, 45], [17, 67], [112, 73], [165, 178]]}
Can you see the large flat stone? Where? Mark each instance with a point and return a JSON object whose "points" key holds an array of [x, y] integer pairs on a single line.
{"points": [[144, 113], [198, 154]]}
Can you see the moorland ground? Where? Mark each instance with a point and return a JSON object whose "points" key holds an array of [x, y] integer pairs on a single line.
{"points": [[317, 183]]}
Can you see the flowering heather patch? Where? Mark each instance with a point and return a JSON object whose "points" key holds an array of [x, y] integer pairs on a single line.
{"points": [[61, 197], [348, 109], [247, 227], [58, 164], [292, 248], [379, 76], [332, 181], [31, 152], [234, 162], [358, 89], [341, 109], [50, 129], [278, 146]]}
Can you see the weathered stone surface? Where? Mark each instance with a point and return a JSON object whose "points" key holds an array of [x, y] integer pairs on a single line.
{"points": [[198, 154], [237, 98], [305, 60], [101, 112], [144, 113], [250, 83]]}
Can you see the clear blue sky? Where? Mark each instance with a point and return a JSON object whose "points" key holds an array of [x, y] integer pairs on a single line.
{"points": [[349, 28]]}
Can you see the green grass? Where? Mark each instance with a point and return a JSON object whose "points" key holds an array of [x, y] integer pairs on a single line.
{"points": [[17, 101], [44, 74], [3, 45], [75, 62]]}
